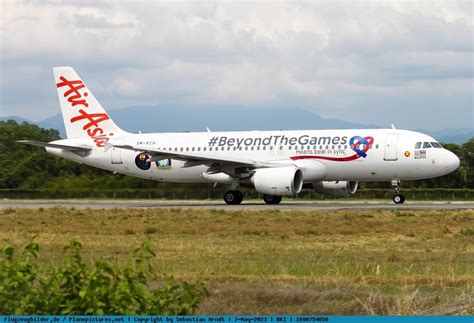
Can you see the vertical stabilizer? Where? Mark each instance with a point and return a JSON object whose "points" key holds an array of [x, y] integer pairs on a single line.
{"points": [[82, 114]]}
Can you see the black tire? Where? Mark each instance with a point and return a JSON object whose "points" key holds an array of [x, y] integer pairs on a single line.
{"points": [[233, 197], [240, 197], [272, 199], [398, 199]]}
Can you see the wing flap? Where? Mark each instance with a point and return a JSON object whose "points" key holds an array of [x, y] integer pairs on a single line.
{"points": [[197, 158]]}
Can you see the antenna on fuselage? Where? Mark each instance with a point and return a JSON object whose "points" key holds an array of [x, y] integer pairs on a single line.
{"points": [[208, 130], [393, 127]]}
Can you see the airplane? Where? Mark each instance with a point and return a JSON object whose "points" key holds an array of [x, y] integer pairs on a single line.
{"points": [[274, 163]]}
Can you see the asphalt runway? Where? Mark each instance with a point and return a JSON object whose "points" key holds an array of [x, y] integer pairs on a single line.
{"points": [[249, 205]]}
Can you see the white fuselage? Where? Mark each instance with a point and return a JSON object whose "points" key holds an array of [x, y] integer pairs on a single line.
{"points": [[374, 154]]}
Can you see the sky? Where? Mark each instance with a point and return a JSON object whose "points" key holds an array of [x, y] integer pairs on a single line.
{"points": [[409, 63]]}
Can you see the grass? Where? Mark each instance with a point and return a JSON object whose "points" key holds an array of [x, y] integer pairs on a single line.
{"points": [[276, 262]]}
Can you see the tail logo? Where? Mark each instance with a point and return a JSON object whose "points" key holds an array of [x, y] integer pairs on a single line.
{"points": [[74, 87], [92, 127]]}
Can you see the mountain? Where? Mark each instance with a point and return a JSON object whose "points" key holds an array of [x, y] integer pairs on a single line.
{"points": [[450, 135], [217, 118], [171, 118], [16, 119]]}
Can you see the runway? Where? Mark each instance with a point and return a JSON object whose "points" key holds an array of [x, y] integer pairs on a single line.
{"points": [[249, 205]]}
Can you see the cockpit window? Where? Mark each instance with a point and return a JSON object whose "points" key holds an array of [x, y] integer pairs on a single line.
{"points": [[418, 145], [426, 145], [436, 145]]}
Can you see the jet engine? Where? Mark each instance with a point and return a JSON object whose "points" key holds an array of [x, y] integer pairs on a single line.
{"points": [[338, 188], [279, 181]]}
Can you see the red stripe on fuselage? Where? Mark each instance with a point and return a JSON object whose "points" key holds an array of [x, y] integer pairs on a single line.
{"points": [[353, 157]]}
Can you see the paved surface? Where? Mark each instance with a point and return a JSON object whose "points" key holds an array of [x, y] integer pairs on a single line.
{"points": [[249, 205]]}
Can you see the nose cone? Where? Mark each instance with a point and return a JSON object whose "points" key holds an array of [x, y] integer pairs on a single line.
{"points": [[451, 162]]}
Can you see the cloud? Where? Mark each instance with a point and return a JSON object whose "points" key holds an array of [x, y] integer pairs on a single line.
{"points": [[376, 62]]}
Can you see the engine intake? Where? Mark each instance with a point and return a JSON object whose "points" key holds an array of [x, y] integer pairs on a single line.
{"points": [[278, 180], [338, 188]]}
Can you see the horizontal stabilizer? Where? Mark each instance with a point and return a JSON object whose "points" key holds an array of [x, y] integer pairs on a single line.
{"points": [[65, 147]]}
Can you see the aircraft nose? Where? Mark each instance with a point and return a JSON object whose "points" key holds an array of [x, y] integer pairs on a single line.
{"points": [[451, 162]]}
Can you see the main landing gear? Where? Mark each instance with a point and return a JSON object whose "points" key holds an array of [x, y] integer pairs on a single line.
{"points": [[271, 199], [233, 197], [398, 198]]}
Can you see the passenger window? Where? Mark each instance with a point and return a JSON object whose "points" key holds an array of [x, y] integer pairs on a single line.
{"points": [[436, 145], [418, 145], [426, 145]]}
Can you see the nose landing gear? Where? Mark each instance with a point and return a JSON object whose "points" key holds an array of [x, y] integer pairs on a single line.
{"points": [[398, 198]]}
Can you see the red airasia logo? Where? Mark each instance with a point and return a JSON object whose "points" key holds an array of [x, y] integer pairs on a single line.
{"points": [[92, 126]]}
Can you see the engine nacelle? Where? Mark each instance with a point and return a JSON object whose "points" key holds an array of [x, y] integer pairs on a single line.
{"points": [[338, 188], [278, 180]]}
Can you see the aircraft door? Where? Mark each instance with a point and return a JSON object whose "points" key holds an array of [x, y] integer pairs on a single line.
{"points": [[116, 155], [390, 152]]}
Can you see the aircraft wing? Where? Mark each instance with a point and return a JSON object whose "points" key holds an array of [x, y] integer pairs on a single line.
{"points": [[65, 147], [198, 158]]}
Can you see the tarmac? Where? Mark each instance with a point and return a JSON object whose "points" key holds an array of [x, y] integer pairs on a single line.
{"points": [[246, 205]]}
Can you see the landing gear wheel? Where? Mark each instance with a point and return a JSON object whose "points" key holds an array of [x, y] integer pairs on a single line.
{"points": [[398, 199], [240, 197], [233, 197], [271, 199]]}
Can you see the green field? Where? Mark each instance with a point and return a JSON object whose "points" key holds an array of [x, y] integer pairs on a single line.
{"points": [[273, 262]]}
